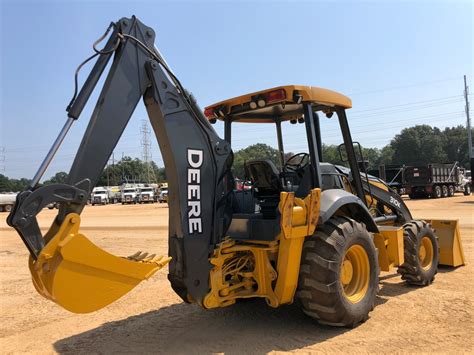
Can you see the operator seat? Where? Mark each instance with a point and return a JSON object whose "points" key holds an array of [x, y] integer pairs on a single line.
{"points": [[329, 176], [267, 185]]}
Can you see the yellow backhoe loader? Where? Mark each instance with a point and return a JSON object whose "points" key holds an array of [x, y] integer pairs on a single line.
{"points": [[306, 229]]}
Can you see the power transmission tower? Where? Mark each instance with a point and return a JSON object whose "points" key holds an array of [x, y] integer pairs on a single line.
{"points": [[146, 152], [2, 159], [468, 124]]}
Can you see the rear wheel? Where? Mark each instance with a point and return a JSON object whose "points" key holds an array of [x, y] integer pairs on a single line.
{"points": [[444, 191], [437, 192], [421, 253], [8, 208], [450, 190], [339, 273]]}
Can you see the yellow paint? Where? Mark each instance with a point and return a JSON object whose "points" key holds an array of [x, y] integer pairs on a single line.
{"points": [[294, 229], [449, 240], [355, 273], [243, 269], [289, 109], [389, 243], [81, 277], [425, 253]]}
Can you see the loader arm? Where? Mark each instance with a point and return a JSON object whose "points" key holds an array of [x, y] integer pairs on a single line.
{"points": [[197, 161]]}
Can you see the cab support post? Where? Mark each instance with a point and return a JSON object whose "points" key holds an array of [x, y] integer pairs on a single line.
{"points": [[312, 144]]}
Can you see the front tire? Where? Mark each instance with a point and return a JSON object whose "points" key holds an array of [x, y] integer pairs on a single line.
{"points": [[421, 254], [467, 190], [339, 273]]}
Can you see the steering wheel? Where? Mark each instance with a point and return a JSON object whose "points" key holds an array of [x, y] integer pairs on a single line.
{"points": [[296, 163]]}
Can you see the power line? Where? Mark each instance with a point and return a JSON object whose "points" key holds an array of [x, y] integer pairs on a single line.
{"points": [[394, 88]]}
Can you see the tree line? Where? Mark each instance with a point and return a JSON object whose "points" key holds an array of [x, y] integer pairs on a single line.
{"points": [[125, 170], [416, 145]]}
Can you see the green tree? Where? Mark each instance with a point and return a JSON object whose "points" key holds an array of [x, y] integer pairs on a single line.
{"points": [[252, 152], [58, 178], [456, 146], [419, 145], [131, 169]]}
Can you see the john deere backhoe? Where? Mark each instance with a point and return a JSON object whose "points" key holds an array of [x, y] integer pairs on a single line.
{"points": [[308, 229]]}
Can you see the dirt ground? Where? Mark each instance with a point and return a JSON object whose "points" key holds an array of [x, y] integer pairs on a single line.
{"points": [[152, 319]]}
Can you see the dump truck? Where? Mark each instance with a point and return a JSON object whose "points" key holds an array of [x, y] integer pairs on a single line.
{"points": [[393, 175], [435, 180], [308, 230]]}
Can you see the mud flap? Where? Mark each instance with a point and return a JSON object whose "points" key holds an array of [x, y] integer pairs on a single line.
{"points": [[81, 277], [449, 239]]}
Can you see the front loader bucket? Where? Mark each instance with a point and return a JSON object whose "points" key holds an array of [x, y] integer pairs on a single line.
{"points": [[449, 240], [81, 277]]}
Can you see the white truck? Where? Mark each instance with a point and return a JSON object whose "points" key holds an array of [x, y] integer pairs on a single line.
{"points": [[7, 200], [147, 195], [130, 195], [100, 196]]}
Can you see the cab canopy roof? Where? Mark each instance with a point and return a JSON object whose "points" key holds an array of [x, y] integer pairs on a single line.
{"points": [[279, 103]]}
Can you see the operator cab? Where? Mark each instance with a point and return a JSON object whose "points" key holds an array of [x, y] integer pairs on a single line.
{"points": [[255, 212]]}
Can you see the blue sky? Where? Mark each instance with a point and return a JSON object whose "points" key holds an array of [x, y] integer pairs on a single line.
{"points": [[401, 62]]}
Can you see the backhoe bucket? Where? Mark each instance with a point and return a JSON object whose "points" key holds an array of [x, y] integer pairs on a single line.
{"points": [[81, 277], [449, 240]]}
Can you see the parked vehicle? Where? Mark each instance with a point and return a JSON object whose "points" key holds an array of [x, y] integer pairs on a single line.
{"points": [[147, 195], [100, 196], [163, 197], [7, 200], [435, 180], [130, 195], [115, 194], [393, 175]]}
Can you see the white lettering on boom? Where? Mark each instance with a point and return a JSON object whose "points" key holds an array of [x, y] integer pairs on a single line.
{"points": [[195, 160]]}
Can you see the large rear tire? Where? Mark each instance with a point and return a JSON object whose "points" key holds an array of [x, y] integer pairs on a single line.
{"points": [[421, 254], [444, 191], [339, 273], [450, 191]]}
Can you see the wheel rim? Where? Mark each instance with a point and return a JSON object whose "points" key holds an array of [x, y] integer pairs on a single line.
{"points": [[425, 253], [355, 273]]}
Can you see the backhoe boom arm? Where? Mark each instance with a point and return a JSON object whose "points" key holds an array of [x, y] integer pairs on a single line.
{"points": [[197, 161]]}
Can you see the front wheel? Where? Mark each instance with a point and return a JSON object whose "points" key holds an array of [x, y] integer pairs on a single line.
{"points": [[339, 273], [467, 190], [420, 252]]}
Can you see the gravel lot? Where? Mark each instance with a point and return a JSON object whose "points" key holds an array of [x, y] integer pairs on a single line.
{"points": [[153, 319]]}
